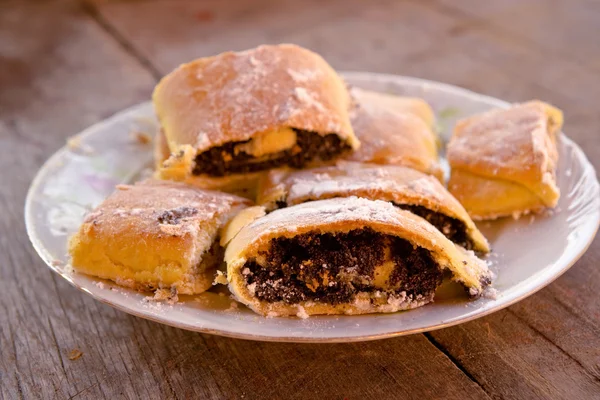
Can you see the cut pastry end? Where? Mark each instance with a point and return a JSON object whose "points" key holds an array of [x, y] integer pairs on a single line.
{"points": [[250, 111], [283, 147], [240, 221], [155, 235], [504, 161], [344, 256], [487, 199], [179, 165], [404, 187]]}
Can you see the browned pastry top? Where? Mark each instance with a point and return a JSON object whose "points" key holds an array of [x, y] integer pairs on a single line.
{"points": [[517, 144], [233, 96], [397, 184], [162, 209], [391, 131]]}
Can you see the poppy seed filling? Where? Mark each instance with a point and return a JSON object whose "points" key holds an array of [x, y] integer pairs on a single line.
{"points": [[333, 268], [454, 229], [228, 159]]}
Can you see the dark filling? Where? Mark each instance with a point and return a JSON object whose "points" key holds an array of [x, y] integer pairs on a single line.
{"points": [[223, 160], [332, 268], [175, 215], [454, 229]]}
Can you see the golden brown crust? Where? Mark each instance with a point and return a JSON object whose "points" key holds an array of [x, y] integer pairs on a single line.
{"points": [[392, 131], [398, 104], [508, 148], [178, 167], [233, 96], [155, 234], [397, 184], [343, 215], [487, 198], [161, 149]]}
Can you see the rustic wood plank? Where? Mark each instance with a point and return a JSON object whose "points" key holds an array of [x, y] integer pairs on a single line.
{"points": [[124, 356], [512, 360], [459, 48], [565, 307], [561, 30], [60, 73], [244, 24], [52, 86], [575, 334]]}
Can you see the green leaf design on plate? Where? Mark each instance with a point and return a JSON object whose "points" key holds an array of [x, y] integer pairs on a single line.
{"points": [[448, 112]]}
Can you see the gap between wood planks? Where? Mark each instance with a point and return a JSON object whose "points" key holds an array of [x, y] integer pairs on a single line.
{"points": [[592, 373], [474, 21], [453, 359], [92, 11]]}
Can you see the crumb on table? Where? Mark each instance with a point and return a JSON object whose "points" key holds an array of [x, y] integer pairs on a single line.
{"points": [[74, 354], [141, 137]]}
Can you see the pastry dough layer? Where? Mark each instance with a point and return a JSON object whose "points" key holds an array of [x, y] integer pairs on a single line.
{"points": [[337, 217], [155, 235], [398, 104], [178, 167], [395, 130], [400, 185], [509, 155], [253, 99]]}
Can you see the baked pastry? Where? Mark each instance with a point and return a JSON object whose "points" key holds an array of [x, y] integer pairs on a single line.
{"points": [[403, 104], [404, 187], [161, 149], [176, 167], [155, 235], [344, 256], [395, 130], [504, 161], [246, 112]]}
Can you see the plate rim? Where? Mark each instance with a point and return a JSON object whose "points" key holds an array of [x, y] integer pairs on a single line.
{"points": [[406, 80]]}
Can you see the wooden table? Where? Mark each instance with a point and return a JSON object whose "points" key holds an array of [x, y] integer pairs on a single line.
{"points": [[67, 64]]}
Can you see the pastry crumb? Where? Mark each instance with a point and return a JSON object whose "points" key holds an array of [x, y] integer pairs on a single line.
{"points": [[57, 263], [220, 279], [141, 137], [68, 270], [121, 186], [302, 313], [99, 284], [168, 295], [74, 144], [233, 306], [74, 354], [490, 293]]}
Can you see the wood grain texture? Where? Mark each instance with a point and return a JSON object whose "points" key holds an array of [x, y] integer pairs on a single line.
{"points": [[66, 64]]}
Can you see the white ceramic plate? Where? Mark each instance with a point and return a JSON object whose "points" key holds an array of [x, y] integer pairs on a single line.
{"points": [[527, 254]]}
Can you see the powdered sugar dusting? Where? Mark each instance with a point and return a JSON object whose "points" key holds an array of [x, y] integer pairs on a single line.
{"points": [[502, 140], [234, 95], [303, 75], [490, 293], [307, 99], [202, 141], [378, 182], [301, 313]]}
